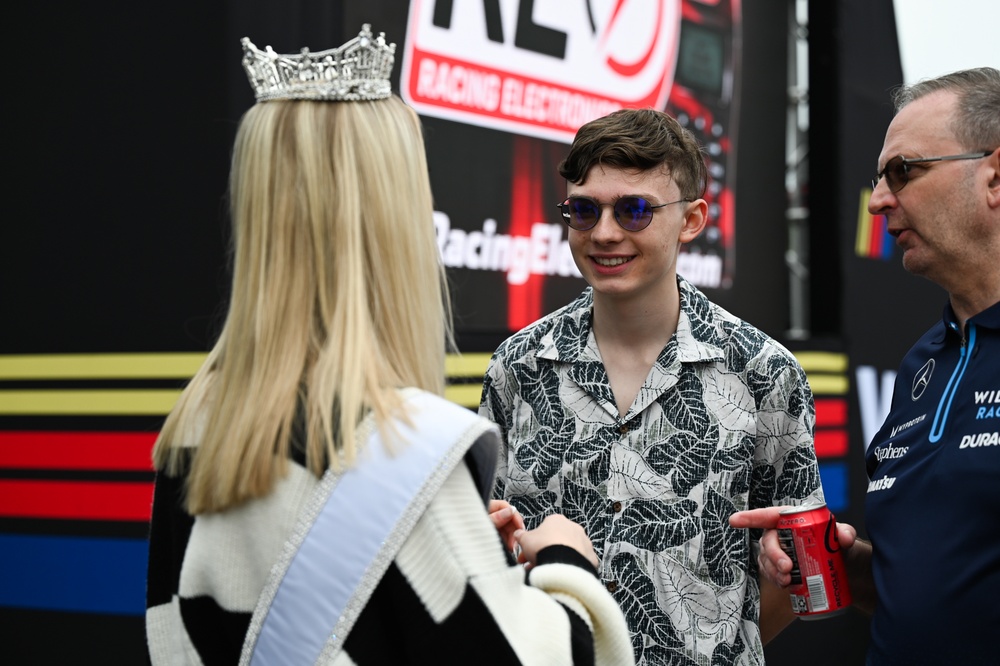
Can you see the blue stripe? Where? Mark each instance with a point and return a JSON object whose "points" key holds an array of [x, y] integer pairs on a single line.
{"points": [[887, 240], [941, 415], [834, 476], [73, 574]]}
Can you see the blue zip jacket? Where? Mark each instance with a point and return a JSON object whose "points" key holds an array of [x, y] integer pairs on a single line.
{"points": [[933, 502]]}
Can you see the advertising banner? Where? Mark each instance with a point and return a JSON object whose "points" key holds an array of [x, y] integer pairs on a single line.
{"points": [[507, 68], [515, 80]]}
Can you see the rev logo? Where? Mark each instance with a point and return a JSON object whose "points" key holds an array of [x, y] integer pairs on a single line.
{"points": [[538, 68]]}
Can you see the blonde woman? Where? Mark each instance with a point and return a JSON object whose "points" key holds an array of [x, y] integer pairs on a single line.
{"points": [[317, 501]]}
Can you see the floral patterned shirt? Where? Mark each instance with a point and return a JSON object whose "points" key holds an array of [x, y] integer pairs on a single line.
{"points": [[723, 422]]}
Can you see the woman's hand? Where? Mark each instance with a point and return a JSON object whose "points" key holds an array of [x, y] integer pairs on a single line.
{"points": [[554, 530], [507, 521]]}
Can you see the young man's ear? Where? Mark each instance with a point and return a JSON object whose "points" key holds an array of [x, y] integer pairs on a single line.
{"points": [[695, 218]]}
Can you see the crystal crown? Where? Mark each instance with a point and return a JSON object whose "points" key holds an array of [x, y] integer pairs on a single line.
{"points": [[357, 70]]}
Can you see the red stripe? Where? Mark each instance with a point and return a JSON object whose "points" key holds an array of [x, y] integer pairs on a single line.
{"points": [[77, 450], [875, 236], [831, 412], [878, 236], [524, 301], [831, 443], [76, 500]]}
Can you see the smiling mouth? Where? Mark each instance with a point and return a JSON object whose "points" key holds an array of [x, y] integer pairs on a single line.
{"points": [[612, 261]]}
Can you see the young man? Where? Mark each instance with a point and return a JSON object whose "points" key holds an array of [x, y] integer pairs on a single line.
{"points": [[931, 573], [648, 414]]}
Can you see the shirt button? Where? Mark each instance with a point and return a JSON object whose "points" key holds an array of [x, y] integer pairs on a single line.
{"points": [[617, 507], [612, 585], [623, 429]]}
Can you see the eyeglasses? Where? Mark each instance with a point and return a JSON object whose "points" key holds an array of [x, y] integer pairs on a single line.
{"points": [[631, 213], [897, 170]]}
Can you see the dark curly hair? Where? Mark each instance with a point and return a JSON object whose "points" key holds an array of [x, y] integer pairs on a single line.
{"points": [[641, 139]]}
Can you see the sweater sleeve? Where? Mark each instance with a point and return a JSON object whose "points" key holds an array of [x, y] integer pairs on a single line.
{"points": [[167, 640], [170, 528], [481, 459], [570, 579], [455, 564]]}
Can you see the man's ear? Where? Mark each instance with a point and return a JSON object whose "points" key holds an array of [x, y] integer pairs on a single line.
{"points": [[695, 218], [993, 186]]}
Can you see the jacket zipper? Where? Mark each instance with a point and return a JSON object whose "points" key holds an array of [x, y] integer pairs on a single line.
{"points": [[944, 406]]}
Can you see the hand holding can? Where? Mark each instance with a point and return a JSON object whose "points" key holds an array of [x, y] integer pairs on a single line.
{"points": [[819, 587]]}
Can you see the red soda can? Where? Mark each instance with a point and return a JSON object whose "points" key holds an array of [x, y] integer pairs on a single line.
{"points": [[819, 588]]}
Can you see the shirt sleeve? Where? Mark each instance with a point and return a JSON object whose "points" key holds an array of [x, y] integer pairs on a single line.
{"points": [[785, 467]]}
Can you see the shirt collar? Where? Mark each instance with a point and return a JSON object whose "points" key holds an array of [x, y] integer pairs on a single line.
{"points": [[697, 336], [989, 318]]}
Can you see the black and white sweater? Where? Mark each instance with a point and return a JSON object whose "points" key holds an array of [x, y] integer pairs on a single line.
{"points": [[451, 596]]}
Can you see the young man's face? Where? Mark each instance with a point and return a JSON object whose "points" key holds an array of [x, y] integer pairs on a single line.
{"points": [[624, 264]]}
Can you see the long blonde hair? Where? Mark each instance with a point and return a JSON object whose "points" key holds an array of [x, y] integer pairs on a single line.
{"points": [[338, 297]]}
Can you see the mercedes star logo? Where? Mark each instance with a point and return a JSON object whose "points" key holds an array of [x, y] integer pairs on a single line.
{"points": [[922, 379]]}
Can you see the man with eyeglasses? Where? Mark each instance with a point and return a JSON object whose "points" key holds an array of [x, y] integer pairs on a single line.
{"points": [[931, 573], [648, 414]]}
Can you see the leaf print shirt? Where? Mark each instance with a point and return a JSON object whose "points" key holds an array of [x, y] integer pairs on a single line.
{"points": [[723, 422]]}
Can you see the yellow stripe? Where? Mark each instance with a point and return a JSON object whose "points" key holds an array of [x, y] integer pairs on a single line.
{"points": [[829, 384], [124, 402], [822, 361], [863, 237], [100, 366], [159, 366], [114, 402], [466, 395], [183, 366], [466, 365]]}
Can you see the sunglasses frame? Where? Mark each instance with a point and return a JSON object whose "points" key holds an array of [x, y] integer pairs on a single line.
{"points": [[566, 215], [904, 163]]}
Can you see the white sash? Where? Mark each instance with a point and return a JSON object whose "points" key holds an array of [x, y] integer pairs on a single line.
{"points": [[345, 540]]}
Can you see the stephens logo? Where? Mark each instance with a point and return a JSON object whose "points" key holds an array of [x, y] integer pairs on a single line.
{"points": [[538, 68]]}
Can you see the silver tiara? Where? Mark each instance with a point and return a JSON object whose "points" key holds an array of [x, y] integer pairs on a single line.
{"points": [[358, 70]]}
